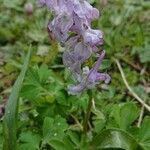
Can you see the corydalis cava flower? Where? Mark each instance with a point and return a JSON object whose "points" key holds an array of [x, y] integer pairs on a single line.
{"points": [[71, 27]]}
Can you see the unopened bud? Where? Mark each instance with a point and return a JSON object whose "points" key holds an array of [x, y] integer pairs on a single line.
{"points": [[28, 8]]}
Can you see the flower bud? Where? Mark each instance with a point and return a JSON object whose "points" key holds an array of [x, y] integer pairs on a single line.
{"points": [[28, 8]]}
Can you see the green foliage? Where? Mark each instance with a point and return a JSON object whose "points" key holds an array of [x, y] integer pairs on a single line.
{"points": [[123, 116], [144, 134], [144, 53], [49, 118], [114, 138], [29, 140], [53, 129], [1, 138], [10, 118], [41, 85]]}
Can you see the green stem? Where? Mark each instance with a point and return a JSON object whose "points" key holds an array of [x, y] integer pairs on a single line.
{"points": [[88, 113]]}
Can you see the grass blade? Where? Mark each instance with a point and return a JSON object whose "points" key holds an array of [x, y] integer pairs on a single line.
{"points": [[10, 117]]}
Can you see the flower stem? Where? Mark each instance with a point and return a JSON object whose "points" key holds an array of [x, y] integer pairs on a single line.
{"points": [[88, 113]]}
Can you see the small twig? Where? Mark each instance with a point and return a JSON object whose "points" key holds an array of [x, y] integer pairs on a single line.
{"points": [[140, 117], [77, 122], [129, 88], [93, 104], [90, 126]]}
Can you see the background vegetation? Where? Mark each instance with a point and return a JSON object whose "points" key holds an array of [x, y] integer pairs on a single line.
{"points": [[49, 118]]}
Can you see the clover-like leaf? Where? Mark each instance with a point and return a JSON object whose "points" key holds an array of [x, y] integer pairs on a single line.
{"points": [[123, 116], [115, 139], [29, 140]]}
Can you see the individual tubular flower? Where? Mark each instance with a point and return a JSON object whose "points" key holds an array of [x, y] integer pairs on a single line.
{"points": [[71, 27], [93, 37], [60, 26], [84, 10]]}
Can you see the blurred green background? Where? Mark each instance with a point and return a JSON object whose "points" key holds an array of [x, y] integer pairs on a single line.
{"points": [[126, 25]]}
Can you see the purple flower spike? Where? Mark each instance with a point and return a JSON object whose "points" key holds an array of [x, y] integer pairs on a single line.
{"points": [[71, 27]]}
